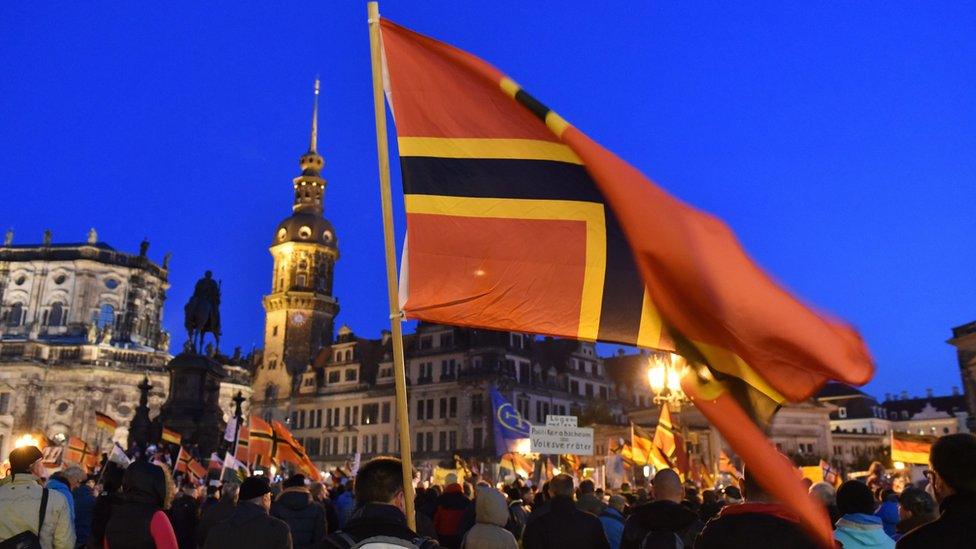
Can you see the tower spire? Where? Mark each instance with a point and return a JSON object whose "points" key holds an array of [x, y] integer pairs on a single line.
{"points": [[313, 143]]}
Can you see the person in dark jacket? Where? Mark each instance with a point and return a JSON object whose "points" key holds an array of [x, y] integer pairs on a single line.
{"points": [[517, 515], [184, 515], [562, 525], [251, 527], [217, 512], [304, 516], [321, 496], [915, 508], [711, 505], [110, 495], [665, 515], [587, 500], [953, 478], [379, 491], [84, 508], [138, 521], [211, 499], [451, 507], [758, 523]]}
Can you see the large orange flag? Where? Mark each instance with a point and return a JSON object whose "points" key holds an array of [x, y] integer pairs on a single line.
{"points": [[292, 451], [262, 443], [516, 220]]}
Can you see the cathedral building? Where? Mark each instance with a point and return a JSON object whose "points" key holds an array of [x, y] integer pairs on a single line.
{"points": [[80, 327]]}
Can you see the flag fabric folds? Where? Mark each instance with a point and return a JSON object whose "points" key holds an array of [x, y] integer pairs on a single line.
{"points": [[188, 465], [509, 425], [106, 423], [830, 475], [171, 436], [908, 448], [263, 446], [234, 470], [292, 451], [117, 456], [243, 440], [725, 465], [642, 447], [81, 453], [216, 464], [518, 221]]}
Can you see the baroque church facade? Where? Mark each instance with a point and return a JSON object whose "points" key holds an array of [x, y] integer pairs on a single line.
{"points": [[80, 328]]}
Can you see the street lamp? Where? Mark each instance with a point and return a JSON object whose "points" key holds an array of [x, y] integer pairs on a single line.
{"points": [[664, 376]]}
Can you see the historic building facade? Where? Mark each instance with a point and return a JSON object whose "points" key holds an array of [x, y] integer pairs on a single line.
{"points": [[80, 326]]}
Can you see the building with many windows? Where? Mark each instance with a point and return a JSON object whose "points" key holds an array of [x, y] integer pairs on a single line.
{"points": [[80, 326]]}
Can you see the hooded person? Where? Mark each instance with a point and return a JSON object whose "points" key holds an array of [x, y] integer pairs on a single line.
{"points": [[251, 527], [21, 501], [665, 517], [138, 520], [858, 527], [491, 515], [305, 517]]}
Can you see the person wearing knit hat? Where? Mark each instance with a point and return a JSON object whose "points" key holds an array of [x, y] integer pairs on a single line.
{"points": [[251, 525], [20, 503]]}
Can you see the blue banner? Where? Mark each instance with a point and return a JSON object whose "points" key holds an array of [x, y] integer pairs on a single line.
{"points": [[510, 426]]}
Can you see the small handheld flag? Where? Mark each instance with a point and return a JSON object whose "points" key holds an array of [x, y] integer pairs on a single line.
{"points": [[106, 423], [171, 436]]}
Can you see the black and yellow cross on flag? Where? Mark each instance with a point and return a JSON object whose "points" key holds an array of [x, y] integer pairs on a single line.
{"points": [[516, 220]]}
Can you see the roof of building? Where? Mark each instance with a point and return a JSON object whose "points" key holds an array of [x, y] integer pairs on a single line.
{"points": [[949, 404], [98, 251]]}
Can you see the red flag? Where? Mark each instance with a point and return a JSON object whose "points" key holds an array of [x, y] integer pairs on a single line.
{"points": [[263, 446], [501, 193]]}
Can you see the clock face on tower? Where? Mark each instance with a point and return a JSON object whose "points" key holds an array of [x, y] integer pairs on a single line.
{"points": [[298, 319]]}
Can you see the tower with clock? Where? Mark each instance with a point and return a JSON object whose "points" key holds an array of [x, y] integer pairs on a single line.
{"points": [[300, 310]]}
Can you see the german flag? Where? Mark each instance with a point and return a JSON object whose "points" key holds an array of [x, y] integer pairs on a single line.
{"points": [[516, 220], [908, 448], [171, 436], [103, 421]]}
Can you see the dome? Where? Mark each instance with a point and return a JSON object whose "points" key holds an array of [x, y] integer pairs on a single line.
{"points": [[306, 227]]}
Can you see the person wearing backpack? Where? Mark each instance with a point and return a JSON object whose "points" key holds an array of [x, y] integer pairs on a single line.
{"points": [[32, 516], [378, 521]]}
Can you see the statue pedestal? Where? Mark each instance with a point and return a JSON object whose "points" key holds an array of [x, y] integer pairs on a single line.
{"points": [[193, 405]]}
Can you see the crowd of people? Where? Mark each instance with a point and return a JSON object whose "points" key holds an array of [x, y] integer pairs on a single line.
{"points": [[140, 506]]}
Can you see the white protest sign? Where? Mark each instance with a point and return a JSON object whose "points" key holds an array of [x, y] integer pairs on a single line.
{"points": [[546, 439], [561, 421]]}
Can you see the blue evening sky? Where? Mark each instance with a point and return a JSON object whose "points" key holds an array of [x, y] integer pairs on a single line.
{"points": [[836, 138]]}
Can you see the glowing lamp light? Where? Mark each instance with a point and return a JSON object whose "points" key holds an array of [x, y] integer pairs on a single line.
{"points": [[657, 376], [523, 446], [900, 466], [272, 470], [26, 440], [647, 471]]}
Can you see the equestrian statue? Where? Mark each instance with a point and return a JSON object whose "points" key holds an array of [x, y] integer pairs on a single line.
{"points": [[202, 313]]}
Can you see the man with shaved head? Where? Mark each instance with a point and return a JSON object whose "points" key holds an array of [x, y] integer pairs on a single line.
{"points": [[664, 519]]}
